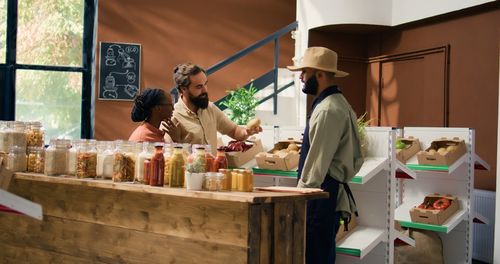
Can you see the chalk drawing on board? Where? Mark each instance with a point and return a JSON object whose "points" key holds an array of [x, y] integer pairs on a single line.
{"points": [[119, 71]]}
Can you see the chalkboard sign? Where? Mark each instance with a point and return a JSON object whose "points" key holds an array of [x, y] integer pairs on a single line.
{"points": [[119, 71]]}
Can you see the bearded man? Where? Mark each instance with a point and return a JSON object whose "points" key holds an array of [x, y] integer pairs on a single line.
{"points": [[197, 118]]}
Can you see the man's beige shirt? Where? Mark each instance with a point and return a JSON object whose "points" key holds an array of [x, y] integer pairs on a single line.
{"points": [[201, 127]]}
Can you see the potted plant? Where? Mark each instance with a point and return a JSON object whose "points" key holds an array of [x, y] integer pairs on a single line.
{"points": [[241, 104]]}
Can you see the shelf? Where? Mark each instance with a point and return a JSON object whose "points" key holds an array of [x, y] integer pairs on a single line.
{"points": [[403, 239], [403, 172], [480, 164], [11, 203], [480, 219], [413, 165], [371, 167], [402, 215], [360, 241], [291, 174]]}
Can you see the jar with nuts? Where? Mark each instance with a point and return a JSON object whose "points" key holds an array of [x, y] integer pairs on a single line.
{"points": [[36, 159], [86, 160], [35, 134]]}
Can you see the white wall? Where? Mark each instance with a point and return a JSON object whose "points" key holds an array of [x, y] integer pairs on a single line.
{"points": [[404, 11]]}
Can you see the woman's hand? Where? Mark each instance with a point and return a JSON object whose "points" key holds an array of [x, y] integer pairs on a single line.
{"points": [[173, 130]]}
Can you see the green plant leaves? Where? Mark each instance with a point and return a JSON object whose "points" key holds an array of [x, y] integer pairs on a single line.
{"points": [[241, 104]]}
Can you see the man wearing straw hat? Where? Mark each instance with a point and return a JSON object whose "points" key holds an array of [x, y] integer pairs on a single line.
{"points": [[330, 154]]}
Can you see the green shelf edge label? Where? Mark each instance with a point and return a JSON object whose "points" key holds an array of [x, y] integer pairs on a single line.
{"points": [[427, 167], [275, 172], [349, 251], [436, 228], [357, 179]]}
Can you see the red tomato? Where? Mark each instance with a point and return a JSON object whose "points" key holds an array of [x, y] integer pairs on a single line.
{"points": [[441, 204]]}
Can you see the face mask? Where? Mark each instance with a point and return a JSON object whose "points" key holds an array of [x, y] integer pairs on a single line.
{"points": [[200, 101], [311, 86]]}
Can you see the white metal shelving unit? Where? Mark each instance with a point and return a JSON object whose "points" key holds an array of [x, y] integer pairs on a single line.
{"points": [[374, 189], [456, 179]]}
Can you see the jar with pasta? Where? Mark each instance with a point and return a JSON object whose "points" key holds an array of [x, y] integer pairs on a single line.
{"points": [[147, 153], [86, 160], [72, 156], [35, 135], [56, 156], [124, 158], [36, 157], [4, 127], [16, 160], [105, 157]]}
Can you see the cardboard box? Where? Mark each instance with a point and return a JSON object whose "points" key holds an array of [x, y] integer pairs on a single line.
{"points": [[278, 158], [434, 217], [412, 148], [238, 159], [455, 148], [341, 233]]}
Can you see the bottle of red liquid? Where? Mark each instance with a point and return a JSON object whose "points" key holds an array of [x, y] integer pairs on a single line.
{"points": [[157, 167], [210, 159], [220, 161], [147, 171]]}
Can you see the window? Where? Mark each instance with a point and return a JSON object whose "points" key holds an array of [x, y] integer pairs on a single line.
{"points": [[51, 78], [3, 30]]}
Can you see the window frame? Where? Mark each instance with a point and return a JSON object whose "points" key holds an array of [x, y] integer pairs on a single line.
{"points": [[9, 68]]}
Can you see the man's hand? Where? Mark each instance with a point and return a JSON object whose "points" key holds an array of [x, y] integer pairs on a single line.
{"points": [[171, 129], [254, 130]]}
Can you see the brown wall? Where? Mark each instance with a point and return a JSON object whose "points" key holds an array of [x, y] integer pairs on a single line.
{"points": [[473, 70], [202, 32]]}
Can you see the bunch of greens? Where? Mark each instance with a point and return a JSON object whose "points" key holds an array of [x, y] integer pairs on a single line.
{"points": [[241, 104], [362, 124]]}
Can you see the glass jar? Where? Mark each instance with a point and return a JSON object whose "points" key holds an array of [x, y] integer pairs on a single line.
{"points": [[56, 156], [16, 160], [226, 181], [146, 153], [146, 171], [35, 135], [36, 159], [212, 181], [14, 134], [104, 169], [124, 162], [167, 154], [176, 174], [209, 158], [4, 129], [72, 153], [245, 180], [86, 160], [220, 161], [157, 167], [197, 162]]}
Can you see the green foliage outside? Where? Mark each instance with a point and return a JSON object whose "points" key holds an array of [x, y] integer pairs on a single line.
{"points": [[50, 32], [3, 29], [241, 104]]}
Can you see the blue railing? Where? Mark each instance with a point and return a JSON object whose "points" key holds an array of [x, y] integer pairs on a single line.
{"points": [[265, 79]]}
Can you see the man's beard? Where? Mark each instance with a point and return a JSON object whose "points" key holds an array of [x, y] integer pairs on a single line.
{"points": [[200, 101], [311, 86]]}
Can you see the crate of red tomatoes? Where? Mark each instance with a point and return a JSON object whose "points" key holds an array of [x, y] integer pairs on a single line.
{"points": [[435, 209]]}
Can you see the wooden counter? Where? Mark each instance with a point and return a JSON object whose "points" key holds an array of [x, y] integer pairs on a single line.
{"points": [[97, 221]]}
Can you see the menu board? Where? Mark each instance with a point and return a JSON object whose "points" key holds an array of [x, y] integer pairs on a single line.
{"points": [[119, 71]]}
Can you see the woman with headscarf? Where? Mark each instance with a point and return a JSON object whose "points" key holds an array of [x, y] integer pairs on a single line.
{"points": [[153, 107]]}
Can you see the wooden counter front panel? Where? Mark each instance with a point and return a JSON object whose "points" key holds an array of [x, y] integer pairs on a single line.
{"points": [[101, 222], [114, 224]]}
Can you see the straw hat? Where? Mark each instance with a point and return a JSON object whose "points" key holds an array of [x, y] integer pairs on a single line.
{"points": [[320, 58]]}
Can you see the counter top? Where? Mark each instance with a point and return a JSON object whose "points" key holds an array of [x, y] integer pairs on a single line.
{"points": [[245, 197]]}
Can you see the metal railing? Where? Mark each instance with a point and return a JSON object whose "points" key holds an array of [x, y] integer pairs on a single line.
{"points": [[264, 80]]}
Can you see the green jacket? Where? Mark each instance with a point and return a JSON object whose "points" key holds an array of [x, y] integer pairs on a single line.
{"points": [[334, 148]]}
